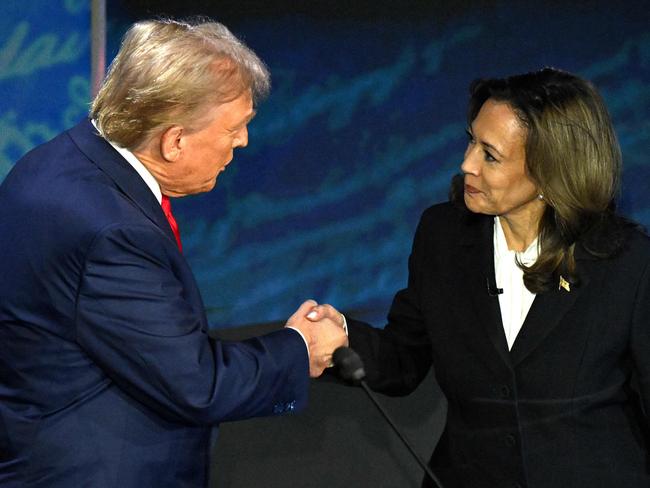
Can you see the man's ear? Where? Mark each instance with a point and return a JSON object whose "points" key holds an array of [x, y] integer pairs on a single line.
{"points": [[171, 143]]}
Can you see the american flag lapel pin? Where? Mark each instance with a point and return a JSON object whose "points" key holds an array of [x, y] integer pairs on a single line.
{"points": [[564, 284]]}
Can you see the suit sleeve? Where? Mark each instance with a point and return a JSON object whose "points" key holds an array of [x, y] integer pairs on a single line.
{"points": [[640, 337], [397, 358], [134, 319]]}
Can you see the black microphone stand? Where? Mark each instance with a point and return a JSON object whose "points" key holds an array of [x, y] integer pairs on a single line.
{"points": [[424, 465], [351, 368]]}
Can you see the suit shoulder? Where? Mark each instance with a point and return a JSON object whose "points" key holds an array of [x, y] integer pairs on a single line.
{"points": [[441, 210], [442, 214], [638, 244]]}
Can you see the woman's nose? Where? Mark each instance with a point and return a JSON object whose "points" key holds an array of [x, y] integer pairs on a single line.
{"points": [[471, 163]]}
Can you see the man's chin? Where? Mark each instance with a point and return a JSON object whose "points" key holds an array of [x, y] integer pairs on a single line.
{"points": [[204, 188], [209, 185]]}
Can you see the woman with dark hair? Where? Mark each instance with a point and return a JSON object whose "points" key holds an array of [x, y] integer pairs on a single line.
{"points": [[530, 297]]}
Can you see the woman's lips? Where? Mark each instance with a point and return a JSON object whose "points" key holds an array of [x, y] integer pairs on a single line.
{"points": [[470, 189]]}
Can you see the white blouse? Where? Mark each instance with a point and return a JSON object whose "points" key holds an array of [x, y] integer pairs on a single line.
{"points": [[516, 300]]}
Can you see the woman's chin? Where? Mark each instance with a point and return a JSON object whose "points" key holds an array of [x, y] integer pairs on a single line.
{"points": [[471, 204]]}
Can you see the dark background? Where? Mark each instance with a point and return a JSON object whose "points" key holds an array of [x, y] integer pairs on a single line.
{"points": [[362, 131]]}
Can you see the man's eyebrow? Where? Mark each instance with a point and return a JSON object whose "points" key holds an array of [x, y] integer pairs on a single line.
{"points": [[250, 116], [245, 120]]}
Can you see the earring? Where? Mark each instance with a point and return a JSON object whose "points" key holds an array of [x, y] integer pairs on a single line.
{"points": [[540, 197]]}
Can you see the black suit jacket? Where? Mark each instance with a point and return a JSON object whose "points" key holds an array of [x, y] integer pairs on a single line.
{"points": [[558, 409]]}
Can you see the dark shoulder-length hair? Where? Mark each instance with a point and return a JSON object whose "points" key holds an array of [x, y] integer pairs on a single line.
{"points": [[573, 156]]}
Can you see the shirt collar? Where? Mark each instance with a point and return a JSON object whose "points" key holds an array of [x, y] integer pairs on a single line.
{"points": [[137, 165]]}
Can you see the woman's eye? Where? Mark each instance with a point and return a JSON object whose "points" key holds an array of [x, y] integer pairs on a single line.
{"points": [[488, 157]]}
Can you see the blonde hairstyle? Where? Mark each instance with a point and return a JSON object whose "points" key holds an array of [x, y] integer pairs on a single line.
{"points": [[168, 73], [573, 156]]}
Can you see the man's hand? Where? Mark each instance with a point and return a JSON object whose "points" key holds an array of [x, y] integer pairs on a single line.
{"points": [[323, 335], [325, 311]]}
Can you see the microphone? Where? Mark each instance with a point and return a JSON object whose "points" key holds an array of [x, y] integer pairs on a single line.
{"points": [[351, 368], [492, 289], [349, 364]]}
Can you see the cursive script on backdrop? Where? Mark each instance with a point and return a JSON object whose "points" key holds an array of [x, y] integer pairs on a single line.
{"points": [[20, 56]]}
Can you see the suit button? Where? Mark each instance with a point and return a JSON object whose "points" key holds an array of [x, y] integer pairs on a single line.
{"points": [[511, 440], [505, 392]]}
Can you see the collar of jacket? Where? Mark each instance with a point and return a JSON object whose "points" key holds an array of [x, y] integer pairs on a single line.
{"points": [[547, 310], [125, 177]]}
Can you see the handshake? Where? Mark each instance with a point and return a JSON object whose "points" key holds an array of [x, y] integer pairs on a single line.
{"points": [[322, 328]]}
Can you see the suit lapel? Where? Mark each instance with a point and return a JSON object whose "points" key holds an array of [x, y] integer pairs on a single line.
{"points": [[100, 152], [546, 313], [477, 272]]}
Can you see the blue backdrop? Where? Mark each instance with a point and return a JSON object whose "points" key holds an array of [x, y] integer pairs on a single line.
{"points": [[363, 129]]}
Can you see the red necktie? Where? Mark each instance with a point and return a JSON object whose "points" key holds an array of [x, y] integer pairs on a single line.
{"points": [[167, 210]]}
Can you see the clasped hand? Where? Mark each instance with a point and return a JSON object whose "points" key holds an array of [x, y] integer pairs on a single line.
{"points": [[322, 328]]}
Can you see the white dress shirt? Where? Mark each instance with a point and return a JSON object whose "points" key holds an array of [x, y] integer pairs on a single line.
{"points": [[516, 299]]}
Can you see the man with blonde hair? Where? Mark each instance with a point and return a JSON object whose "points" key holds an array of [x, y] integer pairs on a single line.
{"points": [[108, 377]]}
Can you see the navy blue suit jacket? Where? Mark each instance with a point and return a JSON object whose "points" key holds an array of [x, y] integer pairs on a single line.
{"points": [[107, 375]]}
